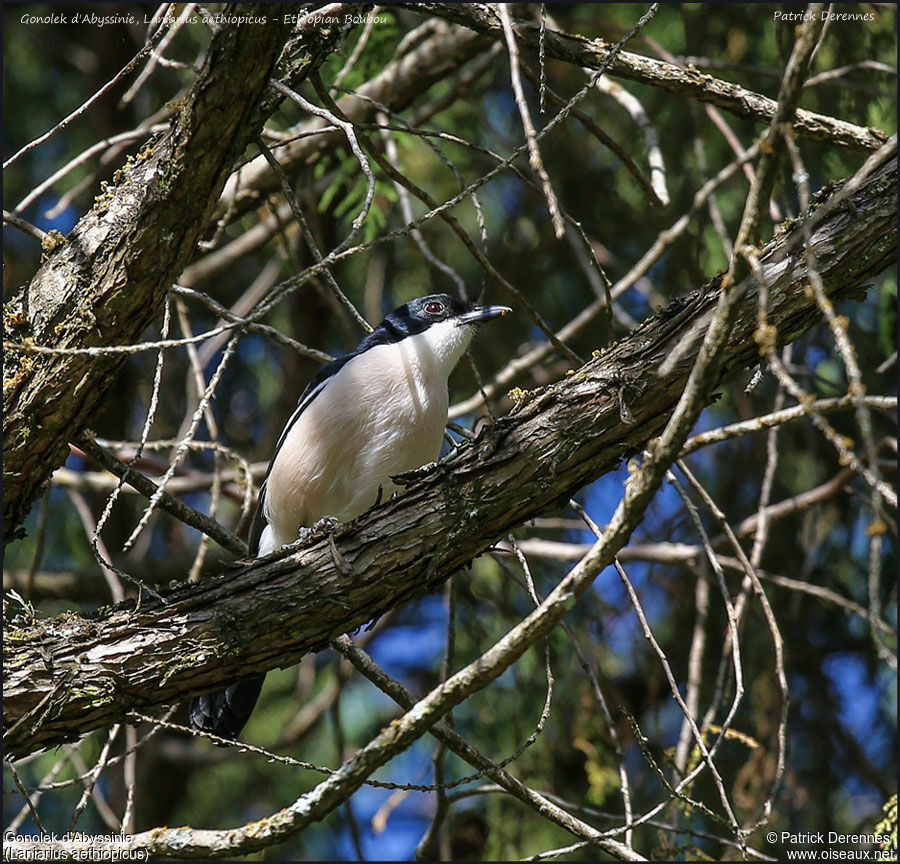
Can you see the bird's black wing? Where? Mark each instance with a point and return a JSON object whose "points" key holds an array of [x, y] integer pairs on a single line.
{"points": [[259, 521]]}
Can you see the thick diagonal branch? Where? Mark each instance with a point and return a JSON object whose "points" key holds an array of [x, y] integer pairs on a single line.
{"points": [[66, 677]]}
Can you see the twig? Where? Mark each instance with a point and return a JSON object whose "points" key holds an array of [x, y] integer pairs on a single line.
{"points": [[295, 282], [521, 301], [24, 226], [29, 804], [732, 615], [183, 17], [147, 487], [31, 801], [752, 578], [390, 149], [183, 447], [764, 180], [91, 780], [308, 235], [213, 428], [718, 121], [856, 389], [265, 832], [233, 316], [770, 149], [347, 128], [699, 738], [429, 847], [785, 415], [129, 776], [90, 529], [600, 134], [357, 49], [695, 669], [99, 551], [530, 135], [462, 748], [125, 70]]}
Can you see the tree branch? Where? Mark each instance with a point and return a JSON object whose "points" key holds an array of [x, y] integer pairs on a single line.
{"points": [[406, 77], [104, 283], [167, 502], [67, 676], [591, 53]]}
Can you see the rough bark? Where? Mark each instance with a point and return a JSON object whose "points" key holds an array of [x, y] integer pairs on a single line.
{"points": [[105, 282], [66, 676]]}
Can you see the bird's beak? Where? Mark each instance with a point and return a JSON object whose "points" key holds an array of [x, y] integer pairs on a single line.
{"points": [[483, 313]]}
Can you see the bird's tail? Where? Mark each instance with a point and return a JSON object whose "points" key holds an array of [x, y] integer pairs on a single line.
{"points": [[224, 713]]}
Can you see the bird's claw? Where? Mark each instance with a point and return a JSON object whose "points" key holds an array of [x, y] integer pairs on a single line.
{"points": [[326, 525]]}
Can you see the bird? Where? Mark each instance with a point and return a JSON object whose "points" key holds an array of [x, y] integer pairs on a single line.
{"points": [[370, 415]]}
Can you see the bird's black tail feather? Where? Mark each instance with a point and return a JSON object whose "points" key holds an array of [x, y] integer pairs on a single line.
{"points": [[224, 713]]}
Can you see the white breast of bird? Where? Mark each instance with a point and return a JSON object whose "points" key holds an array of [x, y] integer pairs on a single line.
{"points": [[382, 414]]}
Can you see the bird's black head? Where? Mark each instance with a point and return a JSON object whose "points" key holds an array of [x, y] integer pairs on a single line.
{"points": [[450, 337], [418, 315], [424, 311]]}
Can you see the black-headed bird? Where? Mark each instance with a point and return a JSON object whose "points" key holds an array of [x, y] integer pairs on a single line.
{"points": [[366, 417]]}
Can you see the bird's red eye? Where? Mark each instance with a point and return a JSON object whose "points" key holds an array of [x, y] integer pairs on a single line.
{"points": [[434, 308]]}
